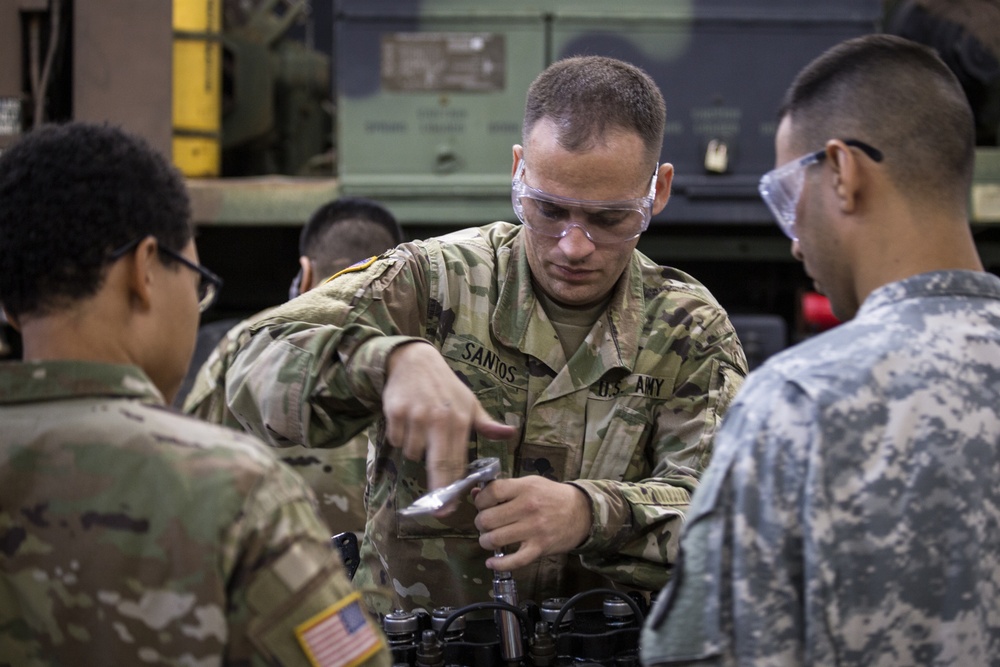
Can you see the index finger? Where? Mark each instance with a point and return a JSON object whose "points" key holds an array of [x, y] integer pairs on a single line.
{"points": [[447, 451]]}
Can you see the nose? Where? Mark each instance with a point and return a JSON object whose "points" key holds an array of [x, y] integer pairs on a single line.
{"points": [[575, 243]]}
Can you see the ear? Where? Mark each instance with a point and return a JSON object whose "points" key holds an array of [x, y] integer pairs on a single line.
{"points": [[307, 273], [664, 177], [141, 272], [518, 156], [847, 174]]}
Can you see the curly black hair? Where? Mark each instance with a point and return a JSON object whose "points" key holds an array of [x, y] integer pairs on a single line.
{"points": [[69, 196]]}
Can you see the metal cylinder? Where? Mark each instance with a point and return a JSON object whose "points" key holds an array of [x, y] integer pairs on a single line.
{"points": [[617, 613], [511, 644], [400, 627], [455, 631], [550, 610]]}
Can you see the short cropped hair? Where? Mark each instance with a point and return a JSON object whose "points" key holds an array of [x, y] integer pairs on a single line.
{"points": [[69, 196], [586, 96], [899, 97], [347, 230]]}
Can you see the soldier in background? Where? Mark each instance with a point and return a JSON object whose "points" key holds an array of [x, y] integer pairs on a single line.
{"points": [[596, 376], [338, 234], [130, 534], [849, 515]]}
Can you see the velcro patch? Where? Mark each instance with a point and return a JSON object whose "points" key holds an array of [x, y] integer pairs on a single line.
{"points": [[295, 568], [339, 636]]}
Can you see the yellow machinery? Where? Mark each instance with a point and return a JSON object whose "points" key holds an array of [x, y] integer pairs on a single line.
{"points": [[197, 81]]}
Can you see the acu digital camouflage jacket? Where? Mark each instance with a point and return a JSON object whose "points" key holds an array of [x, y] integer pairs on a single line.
{"points": [[850, 513]]}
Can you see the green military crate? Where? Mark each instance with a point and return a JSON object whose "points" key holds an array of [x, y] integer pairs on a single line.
{"points": [[430, 93], [985, 197], [429, 102]]}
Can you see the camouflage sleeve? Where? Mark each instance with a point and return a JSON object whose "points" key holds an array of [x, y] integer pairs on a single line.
{"points": [[312, 373], [287, 584], [637, 522], [741, 552], [207, 397]]}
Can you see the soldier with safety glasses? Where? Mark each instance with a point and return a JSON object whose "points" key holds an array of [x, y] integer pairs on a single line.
{"points": [[849, 515], [596, 376]]}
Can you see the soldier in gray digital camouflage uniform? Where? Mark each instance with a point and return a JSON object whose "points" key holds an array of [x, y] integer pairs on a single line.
{"points": [[850, 513], [597, 377], [130, 534], [338, 234]]}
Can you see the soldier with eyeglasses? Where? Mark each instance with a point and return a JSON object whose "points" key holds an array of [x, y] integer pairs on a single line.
{"points": [[597, 377], [131, 534]]}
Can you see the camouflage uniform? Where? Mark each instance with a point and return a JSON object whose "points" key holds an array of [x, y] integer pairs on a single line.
{"points": [[132, 535], [629, 419], [336, 476], [850, 514]]}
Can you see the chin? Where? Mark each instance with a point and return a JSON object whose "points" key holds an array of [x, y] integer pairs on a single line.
{"points": [[571, 300]]}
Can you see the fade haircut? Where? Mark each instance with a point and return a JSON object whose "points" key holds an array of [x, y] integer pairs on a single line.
{"points": [[346, 231], [899, 97], [69, 196], [586, 96]]}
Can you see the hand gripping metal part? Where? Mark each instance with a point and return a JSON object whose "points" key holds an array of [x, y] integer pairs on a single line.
{"points": [[480, 471]]}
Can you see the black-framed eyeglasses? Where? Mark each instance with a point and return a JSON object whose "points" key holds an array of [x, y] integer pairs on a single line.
{"points": [[208, 286], [780, 188]]}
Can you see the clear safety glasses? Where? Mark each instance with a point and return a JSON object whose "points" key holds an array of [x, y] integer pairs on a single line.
{"points": [[603, 222], [781, 188]]}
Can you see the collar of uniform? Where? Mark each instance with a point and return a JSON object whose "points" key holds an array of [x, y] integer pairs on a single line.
{"points": [[516, 303], [31, 381], [934, 283]]}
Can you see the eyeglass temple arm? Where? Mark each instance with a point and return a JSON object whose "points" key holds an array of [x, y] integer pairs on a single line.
{"points": [[867, 149]]}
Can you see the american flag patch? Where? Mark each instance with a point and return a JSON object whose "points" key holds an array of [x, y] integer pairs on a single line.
{"points": [[339, 636]]}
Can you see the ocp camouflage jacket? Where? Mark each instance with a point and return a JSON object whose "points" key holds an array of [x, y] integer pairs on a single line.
{"points": [[629, 419]]}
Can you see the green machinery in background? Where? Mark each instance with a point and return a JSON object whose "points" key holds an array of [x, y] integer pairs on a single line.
{"points": [[430, 94], [417, 103], [428, 97]]}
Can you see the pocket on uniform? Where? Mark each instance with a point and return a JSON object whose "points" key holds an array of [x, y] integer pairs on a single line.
{"points": [[617, 445], [497, 403], [412, 483]]}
